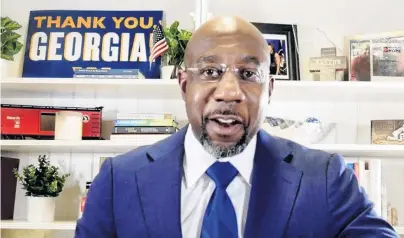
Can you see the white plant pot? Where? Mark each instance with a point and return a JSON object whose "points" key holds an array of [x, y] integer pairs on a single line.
{"points": [[166, 72], [41, 209]]}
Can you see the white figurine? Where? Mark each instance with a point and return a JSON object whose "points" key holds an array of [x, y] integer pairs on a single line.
{"points": [[398, 135]]}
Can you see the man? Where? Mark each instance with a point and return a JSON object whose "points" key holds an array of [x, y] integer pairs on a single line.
{"points": [[360, 68], [221, 176]]}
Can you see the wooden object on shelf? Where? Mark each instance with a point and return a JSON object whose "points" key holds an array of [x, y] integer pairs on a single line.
{"points": [[328, 67], [394, 216], [8, 186]]}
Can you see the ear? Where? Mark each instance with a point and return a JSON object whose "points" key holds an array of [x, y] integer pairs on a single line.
{"points": [[182, 81]]}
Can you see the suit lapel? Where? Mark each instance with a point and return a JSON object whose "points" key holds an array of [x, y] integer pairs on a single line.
{"points": [[275, 185], [159, 186]]}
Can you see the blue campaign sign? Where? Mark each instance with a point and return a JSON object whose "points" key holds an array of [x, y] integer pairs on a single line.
{"points": [[62, 42]]}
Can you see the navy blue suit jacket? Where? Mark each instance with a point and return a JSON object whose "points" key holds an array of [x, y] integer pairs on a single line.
{"points": [[296, 192]]}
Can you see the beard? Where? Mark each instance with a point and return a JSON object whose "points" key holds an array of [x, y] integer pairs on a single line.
{"points": [[219, 151]]}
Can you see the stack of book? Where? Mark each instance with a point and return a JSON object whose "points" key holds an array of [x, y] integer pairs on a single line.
{"points": [[369, 175], [107, 73], [143, 129]]}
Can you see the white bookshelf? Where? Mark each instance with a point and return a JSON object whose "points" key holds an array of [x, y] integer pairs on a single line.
{"points": [[113, 146], [354, 150], [71, 225], [25, 225], [85, 146], [350, 104], [140, 88], [88, 88], [399, 230]]}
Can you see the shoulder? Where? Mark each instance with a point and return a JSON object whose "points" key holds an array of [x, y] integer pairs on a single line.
{"points": [[308, 160], [133, 159], [142, 156]]}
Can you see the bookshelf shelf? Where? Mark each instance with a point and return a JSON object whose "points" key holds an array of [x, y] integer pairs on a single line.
{"points": [[91, 146], [353, 150], [71, 225], [87, 88], [399, 230], [25, 225], [158, 88], [85, 146]]}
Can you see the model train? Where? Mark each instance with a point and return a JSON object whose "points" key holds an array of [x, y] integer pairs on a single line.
{"points": [[38, 122]]}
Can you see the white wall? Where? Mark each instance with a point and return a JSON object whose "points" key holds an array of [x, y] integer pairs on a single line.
{"points": [[334, 18]]}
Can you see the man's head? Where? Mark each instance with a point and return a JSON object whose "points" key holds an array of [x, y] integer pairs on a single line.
{"points": [[271, 48], [365, 48], [226, 84]]}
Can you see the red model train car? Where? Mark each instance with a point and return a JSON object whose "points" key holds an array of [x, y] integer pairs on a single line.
{"points": [[38, 122]]}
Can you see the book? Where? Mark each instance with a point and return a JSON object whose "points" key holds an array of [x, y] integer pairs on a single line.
{"points": [[144, 130], [91, 72], [143, 116], [144, 122]]}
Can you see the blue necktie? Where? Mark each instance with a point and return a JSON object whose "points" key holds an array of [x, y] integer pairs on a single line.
{"points": [[220, 218]]}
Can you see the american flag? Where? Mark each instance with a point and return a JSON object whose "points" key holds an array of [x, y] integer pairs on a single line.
{"points": [[160, 45]]}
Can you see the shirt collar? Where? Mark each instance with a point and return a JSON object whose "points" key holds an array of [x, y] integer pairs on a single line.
{"points": [[197, 160]]}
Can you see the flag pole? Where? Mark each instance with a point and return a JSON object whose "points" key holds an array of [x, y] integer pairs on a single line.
{"points": [[150, 61]]}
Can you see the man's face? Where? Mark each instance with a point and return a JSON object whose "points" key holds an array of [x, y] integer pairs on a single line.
{"points": [[366, 50], [270, 49], [225, 108]]}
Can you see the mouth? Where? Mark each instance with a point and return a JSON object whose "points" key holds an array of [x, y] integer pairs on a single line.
{"points": [[225, 126], [226, 120]]}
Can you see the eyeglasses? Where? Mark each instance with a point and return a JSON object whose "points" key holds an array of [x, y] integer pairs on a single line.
{"points": [[214, 72]]}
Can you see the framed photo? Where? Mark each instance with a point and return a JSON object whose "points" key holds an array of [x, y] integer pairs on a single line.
{"points": [[387, 132], [376, 57], [282, 48]]}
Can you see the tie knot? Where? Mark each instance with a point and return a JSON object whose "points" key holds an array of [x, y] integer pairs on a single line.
{"points": [[222, 173]]}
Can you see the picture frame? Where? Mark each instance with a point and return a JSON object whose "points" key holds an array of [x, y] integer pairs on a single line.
{"points": [[375, 57], [387, 132], [282, 37]]}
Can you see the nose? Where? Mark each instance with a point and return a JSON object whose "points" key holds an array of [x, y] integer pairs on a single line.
{"points": [[228, 89]]}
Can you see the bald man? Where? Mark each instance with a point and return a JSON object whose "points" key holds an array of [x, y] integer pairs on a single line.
{"points": [[221, 176]]}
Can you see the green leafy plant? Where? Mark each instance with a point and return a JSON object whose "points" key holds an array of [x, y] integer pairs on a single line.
{"points": [[177, 40], [41, 181], [9, 39]]}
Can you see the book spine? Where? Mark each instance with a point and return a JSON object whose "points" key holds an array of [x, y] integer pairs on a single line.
{"points": [[146, 122], [141, 139], [107, 72], [356, 170], [145, 116], [145, 130], [109, 76]]}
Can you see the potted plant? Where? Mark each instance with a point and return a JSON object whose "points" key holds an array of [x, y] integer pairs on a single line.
{"points": [[177, 40], [42, 184], [9, 39]]}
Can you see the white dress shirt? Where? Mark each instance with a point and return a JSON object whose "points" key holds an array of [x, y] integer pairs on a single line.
{"points": [[197, 187]]}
